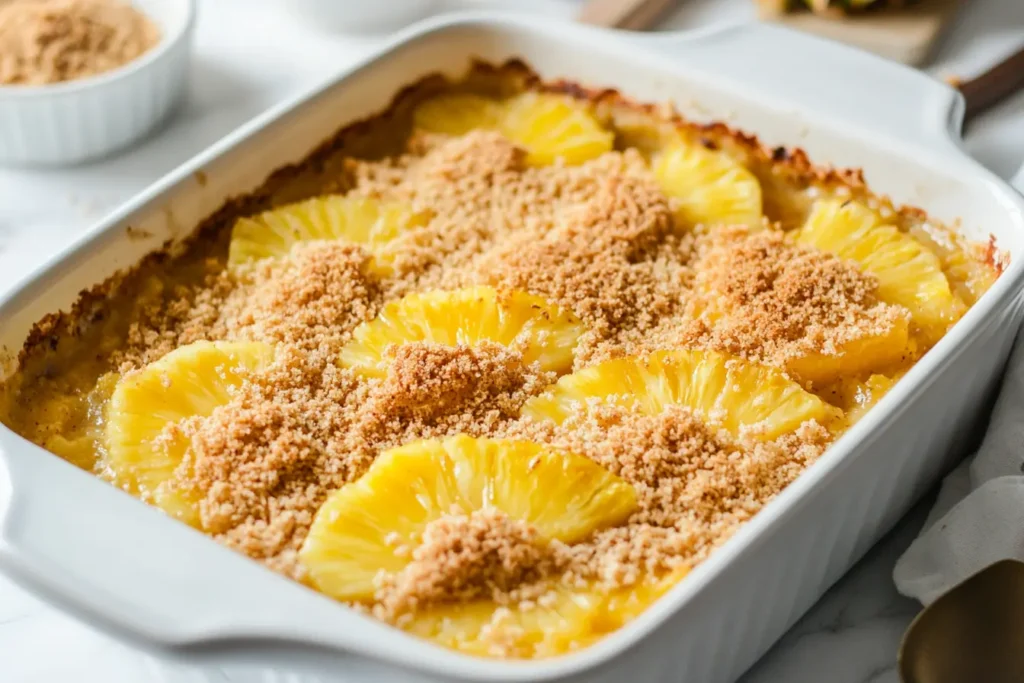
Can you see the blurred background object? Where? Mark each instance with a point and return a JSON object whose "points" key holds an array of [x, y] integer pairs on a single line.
{"points": [[634, 15], [833, 7], [907, 32], [903, 30]]}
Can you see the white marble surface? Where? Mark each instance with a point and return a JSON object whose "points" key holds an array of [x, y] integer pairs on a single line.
{"points": [[251, 54]]}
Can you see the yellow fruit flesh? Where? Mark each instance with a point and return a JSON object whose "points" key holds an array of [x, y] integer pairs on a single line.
{"points": [[357, 530], [190, 381], [457, 114], [858, 357], [968, 276], [869, 351], [909, 274], [553, 127], [738, 394], [544, 333], [356, 220], [550, 127], [570, 620], [856, 397], [710, 187]]}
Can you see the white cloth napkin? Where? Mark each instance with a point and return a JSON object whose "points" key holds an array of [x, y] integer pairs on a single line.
{"points": [[978, 518]]}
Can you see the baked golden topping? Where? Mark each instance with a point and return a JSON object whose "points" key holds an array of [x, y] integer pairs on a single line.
{"points": [[806, 311], [502, 365]]}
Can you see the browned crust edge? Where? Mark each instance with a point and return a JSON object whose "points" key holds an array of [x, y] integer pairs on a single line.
{"points": [[790, 162]]}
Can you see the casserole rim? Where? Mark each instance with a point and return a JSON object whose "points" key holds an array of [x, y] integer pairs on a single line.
{"points": [[749, 534]]}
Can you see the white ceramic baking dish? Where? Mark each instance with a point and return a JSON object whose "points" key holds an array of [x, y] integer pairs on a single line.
{"points": [[126, 568]]}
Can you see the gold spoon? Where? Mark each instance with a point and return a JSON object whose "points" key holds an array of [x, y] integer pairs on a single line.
{"points": [[972, 634]]}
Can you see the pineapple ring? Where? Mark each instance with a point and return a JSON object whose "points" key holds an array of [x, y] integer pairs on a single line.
{"points": [[909, 274], [545, 333], [457, 114], [358, 220], [857, 357], [570, 619], [192, 380], [743, 395], [710, 187], [551, 127], [353, 537]]}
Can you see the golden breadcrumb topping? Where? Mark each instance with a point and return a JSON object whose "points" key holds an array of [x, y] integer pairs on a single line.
{"points": [[695, 484], [769, 300], [600, 240], [461, 557]]}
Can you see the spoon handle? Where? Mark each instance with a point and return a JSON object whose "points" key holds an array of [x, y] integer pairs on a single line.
{"points": [[988, 89], [635, 15]]}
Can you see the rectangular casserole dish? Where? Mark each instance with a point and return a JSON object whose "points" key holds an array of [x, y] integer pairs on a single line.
{"points": [[126, 568]]}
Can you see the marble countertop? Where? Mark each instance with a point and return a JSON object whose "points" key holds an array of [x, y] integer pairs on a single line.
{"points": [[251, 54]]}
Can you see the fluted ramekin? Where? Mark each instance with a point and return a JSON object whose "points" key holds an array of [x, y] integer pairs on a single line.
{"points": [[67, 123]]}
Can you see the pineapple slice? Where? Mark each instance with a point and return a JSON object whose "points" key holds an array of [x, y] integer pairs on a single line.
{"points": [[857, 397], [192, 380], [549, 126], [735, 392], [710, 187], [367, 222], [909, 274], [569, 619], [553, 127], [857, 357], [969, 276], [624, 604], [356, 531], [457, 114], [545, 333]]}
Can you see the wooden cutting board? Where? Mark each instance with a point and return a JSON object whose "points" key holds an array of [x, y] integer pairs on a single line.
{"points": [[906, 35]]}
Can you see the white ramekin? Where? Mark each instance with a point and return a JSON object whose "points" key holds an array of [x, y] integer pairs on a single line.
{"points": [[67, 123]]}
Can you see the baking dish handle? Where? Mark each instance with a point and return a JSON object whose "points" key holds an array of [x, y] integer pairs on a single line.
{"points": [[122, 566], [810, 73], [1017, 181]]}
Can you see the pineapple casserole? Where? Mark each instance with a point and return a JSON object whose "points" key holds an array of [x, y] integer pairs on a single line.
{"points": [[501, 365]]}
